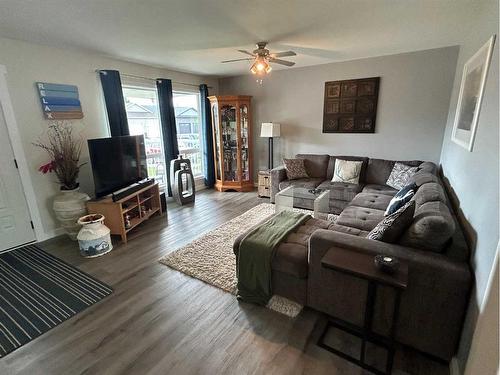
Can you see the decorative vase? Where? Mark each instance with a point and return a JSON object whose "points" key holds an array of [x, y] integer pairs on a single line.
{"points": [[94, 238], [68, 206]]}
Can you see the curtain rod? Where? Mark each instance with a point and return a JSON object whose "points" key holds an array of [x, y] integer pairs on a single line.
{"points": [[154, 80]]}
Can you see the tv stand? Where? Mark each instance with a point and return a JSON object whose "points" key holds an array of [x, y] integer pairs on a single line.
{"points": [[124, 214], [122, 193]]}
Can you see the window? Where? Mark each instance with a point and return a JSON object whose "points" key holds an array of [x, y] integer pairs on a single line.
{"points": [[187, 119], [141, 104], [143, 117]]}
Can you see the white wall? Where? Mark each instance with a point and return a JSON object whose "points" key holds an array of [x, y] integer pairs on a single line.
{"points": [[412, 109], [483, 358], [474, 176], [28, 63]]}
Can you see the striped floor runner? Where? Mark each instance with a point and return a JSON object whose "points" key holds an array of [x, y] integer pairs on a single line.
{"points": [[39, 291]]}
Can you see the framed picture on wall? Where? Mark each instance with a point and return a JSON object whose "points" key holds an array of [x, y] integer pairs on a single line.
{"points": [[470, 96]]}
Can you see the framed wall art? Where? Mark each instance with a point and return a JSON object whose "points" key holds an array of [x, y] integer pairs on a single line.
{"points": [[59, 101], [471, 95], [350, 106]]}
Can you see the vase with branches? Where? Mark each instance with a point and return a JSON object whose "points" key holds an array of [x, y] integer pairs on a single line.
{"points": [[64, 150]]}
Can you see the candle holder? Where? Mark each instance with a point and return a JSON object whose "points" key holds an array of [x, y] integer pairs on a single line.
{"points": [[386, 263]]}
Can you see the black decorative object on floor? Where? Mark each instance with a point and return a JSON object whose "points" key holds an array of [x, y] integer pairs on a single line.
{"points": [[39, 291]]}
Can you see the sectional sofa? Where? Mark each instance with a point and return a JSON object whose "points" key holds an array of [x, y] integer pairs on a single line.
{"points": [[433, 306]]}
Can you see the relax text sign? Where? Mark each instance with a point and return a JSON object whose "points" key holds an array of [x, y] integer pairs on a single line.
{"points": [[59, 101]]}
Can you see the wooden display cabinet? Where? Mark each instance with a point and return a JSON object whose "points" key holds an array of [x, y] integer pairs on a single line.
{"points": [[138, 206], [232, 138]]}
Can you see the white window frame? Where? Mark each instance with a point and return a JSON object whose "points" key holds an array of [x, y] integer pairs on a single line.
{"points": [[199, 180], [139, 84]]}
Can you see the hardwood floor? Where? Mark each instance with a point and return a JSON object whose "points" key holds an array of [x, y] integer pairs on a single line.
{"points": [[160, 321]]}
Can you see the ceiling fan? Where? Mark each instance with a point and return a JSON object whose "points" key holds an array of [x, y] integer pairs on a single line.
{"points": [[262, 58]]}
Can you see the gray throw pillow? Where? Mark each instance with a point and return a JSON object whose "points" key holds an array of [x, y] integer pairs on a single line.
{"points": [[392, 227], [295, 169], [400, 175]]}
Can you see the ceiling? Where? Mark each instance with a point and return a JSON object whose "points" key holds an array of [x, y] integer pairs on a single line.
{"points": [[195, 35]]}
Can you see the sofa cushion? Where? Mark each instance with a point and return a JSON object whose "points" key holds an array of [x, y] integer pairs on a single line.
{"points": [[347, 171], [400, 175], [308, 183], [291, 255], [393, 226], [291, 258], [349, 230], [380, 189], [376, 201], [432, 227], [341, 190], [360, 217], [429, 192], [379, 170], [422, 177], [331, 166], [315, 164], [428, 167]]}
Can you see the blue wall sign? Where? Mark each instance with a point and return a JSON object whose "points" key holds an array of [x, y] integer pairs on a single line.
{"points": [[59, 101]]}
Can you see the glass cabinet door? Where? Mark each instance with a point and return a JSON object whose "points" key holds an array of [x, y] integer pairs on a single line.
{"points": [[215, 121], [245, 169], [229, 142]]}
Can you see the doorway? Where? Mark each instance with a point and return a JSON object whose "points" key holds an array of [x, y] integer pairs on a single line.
{"points": [[16, 227]]}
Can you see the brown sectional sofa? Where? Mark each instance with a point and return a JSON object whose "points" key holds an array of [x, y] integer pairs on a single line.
{"points": [[433, 306]]}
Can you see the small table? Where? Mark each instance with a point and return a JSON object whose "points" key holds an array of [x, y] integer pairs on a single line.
{"points": [[264, 183], [362, 265], [296, 197]]}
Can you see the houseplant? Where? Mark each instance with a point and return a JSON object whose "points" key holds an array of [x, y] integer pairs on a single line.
{"points": [[64, 150]]}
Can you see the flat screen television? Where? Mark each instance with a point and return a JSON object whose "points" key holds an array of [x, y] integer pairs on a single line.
{"points": [[117, 162]]}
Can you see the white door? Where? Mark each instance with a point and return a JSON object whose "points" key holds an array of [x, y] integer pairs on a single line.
{"points": [[15, 222]]}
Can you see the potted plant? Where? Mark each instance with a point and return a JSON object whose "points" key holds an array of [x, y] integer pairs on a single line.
{"points": [[64, 151]]}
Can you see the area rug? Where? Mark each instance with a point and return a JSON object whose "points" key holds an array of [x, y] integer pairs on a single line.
{"points": [[39, 291], [210, 258]]}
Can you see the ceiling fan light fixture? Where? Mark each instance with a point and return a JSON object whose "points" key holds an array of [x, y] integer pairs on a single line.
{"points": [[260, 66]]}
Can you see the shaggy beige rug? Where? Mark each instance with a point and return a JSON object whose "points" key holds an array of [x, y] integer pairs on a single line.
{"points": [[210, 257]]}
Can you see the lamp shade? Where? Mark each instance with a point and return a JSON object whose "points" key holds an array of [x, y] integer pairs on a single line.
{"points": [[270, 130]]}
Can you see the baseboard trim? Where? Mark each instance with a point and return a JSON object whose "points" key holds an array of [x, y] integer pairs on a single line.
{"points": [[47, 235], [454, 367]]}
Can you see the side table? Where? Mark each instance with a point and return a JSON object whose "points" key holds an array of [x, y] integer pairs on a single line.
{"points": [[362, 265], [264, 183]]}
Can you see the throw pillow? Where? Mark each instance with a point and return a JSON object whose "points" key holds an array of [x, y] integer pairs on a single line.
{"points": [[392, 227], [347, 171], [295, 169], [401, 198], [400, 175]]}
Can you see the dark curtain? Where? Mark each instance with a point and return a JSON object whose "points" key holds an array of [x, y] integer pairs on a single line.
{"points": [[167, 118], [115, 104], [206, 132]]}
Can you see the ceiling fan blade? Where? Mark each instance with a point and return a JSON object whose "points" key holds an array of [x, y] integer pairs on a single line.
{"points": [[282, 62], [245, 59], [283, 54], [246, 52]]}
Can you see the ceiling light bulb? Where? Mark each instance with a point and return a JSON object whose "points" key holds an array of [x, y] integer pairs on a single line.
{"points": [[260, 66]]}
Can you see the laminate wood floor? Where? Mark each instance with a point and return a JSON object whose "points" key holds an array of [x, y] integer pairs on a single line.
{"points": [[160, 321]]}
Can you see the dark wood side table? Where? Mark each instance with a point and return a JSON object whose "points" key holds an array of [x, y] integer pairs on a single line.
{"points": [[362, 265]]}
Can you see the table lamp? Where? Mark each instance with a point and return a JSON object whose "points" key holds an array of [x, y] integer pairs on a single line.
{"points": [[270, 130]]}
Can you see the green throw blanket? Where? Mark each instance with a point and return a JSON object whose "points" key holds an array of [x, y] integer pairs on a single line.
{"points": [[256, 253]]}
